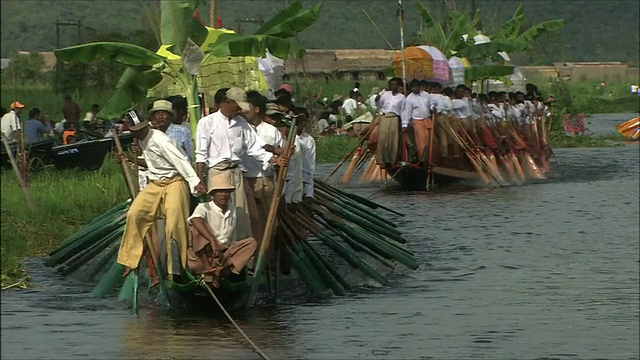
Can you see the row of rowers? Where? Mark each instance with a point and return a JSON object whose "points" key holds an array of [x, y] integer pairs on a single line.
{"points": [[239, 145], [478, 115]]}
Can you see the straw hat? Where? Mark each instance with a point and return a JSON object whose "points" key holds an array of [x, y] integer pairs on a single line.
{"points": [[220, 182], [336, 97], [162, 105], [273, 109]]}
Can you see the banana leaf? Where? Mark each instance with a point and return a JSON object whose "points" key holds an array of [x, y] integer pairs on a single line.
{"points": [[292, 24], [436, 35], [511, 28], [177, 24], [488, 50], [527, 37], [131, 89], [289, 11], [128, 54], [254, 45], [483, 72]]}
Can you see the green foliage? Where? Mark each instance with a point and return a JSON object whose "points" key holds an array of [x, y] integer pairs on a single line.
{"points": [[128, 54], [64, 201], [27, 69], [331, 149], [178, 25], [254, 45]]}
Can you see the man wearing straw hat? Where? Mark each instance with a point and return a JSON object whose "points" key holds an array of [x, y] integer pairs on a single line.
{"points": [[222, 139], [216, 242], [167, 195], [10, 124], [162, 117]]}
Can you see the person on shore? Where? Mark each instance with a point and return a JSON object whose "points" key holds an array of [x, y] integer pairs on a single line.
{"points": [[71, 111], [10, 124], [216, 243], [222, 139], [374, 97], [323, 123], [417, 115], [36, 127], [69, 133], [391, 106], [90, 116], [350, 106], [308, 156], [171, 178], [162, 117]]}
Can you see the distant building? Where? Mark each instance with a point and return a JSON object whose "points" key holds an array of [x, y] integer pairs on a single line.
{"points": [[351, 64], [608, 71]]}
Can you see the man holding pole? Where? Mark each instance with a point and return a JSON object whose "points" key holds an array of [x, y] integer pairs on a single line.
{"points": [[391, 105], [416, 113], [167, 195]]}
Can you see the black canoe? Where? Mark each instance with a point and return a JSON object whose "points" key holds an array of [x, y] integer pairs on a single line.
{"points": [[87, 155], [39, 154]]}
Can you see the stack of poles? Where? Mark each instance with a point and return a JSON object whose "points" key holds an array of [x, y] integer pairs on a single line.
{"points": [[630, 129], [346, 225]]}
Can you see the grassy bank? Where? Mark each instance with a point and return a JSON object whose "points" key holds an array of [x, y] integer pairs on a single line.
{"points": [[63, 202]]}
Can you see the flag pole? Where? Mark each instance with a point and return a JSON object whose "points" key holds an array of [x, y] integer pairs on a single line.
{"points": [[404, 66]]}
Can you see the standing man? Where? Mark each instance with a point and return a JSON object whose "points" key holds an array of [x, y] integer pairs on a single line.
{"points": [[10, 123], [171, 178], [222, 138], [71, 111], [416, 113], [163, 118], [391, 105]]}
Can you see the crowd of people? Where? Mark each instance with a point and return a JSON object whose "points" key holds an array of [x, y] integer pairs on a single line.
{"points": [[238, 147], [434, 125]]}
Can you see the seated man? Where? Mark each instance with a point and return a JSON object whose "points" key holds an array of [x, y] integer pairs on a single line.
{"points": [[215, 243]]}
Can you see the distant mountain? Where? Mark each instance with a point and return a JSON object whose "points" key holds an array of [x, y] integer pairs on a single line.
{"points": [[595, 30]]}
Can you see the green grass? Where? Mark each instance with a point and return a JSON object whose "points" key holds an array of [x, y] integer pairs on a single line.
{"points": [[332, 149], [63, 202]]}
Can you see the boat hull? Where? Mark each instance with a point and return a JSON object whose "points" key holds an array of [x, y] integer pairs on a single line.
{"points": [[415, 178], [87, 155], [39, 154]]}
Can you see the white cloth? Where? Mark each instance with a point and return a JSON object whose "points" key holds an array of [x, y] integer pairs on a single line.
{"points": [[164, 160], [441, 103], [390, 103], [350, 105], [270, 135], [219, 139], [223, 224], [10, 123], [476, 109], [513, 113], [371, 102], [293, 185], [89, 116], [308, 152], [460, 108], [416, 106], [497, 112], [323, 125]]}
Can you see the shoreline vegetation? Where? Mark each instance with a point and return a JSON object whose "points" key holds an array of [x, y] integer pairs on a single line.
{"points": [[66, 200]]}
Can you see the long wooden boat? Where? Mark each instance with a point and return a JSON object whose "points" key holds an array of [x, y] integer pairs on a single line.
{"points": [[87, 155], [415, 178], [39, 154]]}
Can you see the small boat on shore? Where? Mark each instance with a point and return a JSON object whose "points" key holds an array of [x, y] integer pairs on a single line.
{"points": [[39, 154], [87, 155]]}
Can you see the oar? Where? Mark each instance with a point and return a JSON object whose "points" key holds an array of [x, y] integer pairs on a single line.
{"points": [[14, 165], [363, 138], [273, 211]]}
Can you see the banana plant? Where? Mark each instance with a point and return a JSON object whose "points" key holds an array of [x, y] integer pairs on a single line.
{"points": [[185, 36]]}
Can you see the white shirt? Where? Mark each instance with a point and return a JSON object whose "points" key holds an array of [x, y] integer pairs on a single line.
{"points": [[390, 103], [371, 101], [416, 106], [323, 124], [10, 123], [164, 160], [497, 112], [476, 109], [461, 108], [439, 102], [222, 224], [350, 105], [219, 139], [513, 113], [308, 152], [293, 185], [270, 135]]}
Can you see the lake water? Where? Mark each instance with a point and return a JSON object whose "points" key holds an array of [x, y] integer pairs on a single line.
{"points": [[549, 270]]}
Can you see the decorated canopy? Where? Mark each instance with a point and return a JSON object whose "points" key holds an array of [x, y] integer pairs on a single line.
{"points": [[215, 72], [424, 63]]}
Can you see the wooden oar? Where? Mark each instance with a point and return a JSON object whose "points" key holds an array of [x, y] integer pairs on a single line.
{"points": [[350, 154], [273, 210], [430, 177], [14, 165]]}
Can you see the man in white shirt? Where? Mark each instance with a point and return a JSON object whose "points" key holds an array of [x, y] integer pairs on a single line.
{"points": [[372, 100], [350, 105], [308, 156], [441, 106], [167, 194], [416, 113], [10, 124], [216, 242], [461, 106], [391, 105], [260, 185], [222, 139]]}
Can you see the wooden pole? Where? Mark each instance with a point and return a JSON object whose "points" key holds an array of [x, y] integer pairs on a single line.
{"points": [[212, 13], [378, 29], [14, 165], [270, 224], [404, 65], [346, 157], [430, 161]]}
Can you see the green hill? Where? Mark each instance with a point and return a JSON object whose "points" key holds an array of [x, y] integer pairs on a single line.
{"points": [[595, 30]]}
